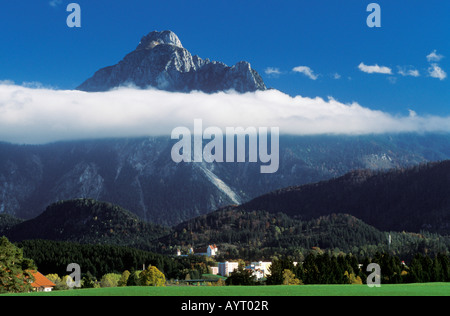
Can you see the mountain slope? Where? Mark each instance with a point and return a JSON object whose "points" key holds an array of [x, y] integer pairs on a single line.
{"points": [[257, 235], [7, 222], [412, 199], [161, 61], [253, 235], [139, 174], [88, 221]]}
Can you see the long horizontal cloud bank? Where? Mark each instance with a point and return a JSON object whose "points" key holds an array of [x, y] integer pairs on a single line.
{"points": [[37, 116]]}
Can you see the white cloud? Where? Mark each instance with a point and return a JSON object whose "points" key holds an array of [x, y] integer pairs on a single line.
{"points": [[36, 85], [36, 116], [375, 69], [437, 72], [271, 71], [433, 56], [412, 113], [408, 71], [7, 82], [306, 71]]}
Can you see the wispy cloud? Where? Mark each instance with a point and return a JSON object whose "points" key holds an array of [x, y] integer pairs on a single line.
{"points": [[375, 69], [36, 116], [336, 76], [435, 71], [434, 56], [306, 71], [272, 72], [55, 3], [408, 71]]}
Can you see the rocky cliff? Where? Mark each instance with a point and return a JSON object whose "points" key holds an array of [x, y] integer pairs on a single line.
{"points": [[160, 61]]}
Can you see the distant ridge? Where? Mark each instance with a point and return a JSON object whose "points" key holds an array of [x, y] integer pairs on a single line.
{"points": [[411, 199]]}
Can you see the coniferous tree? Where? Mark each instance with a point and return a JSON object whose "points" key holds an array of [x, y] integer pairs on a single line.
{"points": [[241, 276], [15, 274]]}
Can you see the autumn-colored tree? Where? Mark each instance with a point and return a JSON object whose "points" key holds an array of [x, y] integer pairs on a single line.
{"points": [[15, 270], [124, 278], [152, 277], [277, 268], [59, 283], [110, 280], [220, 282], [352, 278], [290, 279]]}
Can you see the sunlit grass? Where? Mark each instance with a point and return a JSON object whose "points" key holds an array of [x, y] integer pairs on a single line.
{"points": [[428, 289]]}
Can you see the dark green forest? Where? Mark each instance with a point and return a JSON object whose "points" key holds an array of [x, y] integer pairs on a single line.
{"points": [[318, 267], [240, 234], [412, 199], [260, 235], [349, 269], [86, 221], [97, 260]]}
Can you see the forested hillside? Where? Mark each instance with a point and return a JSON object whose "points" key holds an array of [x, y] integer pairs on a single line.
{"points": [[261, 235], [354, 214], [90, 222], [413, 199], [97, 260]]}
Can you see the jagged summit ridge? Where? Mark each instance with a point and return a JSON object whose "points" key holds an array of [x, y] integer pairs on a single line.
{"points": [[160, 61], [157, 38]]}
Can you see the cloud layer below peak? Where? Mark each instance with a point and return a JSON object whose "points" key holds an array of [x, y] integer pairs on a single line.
{"points": [[37, 115]]}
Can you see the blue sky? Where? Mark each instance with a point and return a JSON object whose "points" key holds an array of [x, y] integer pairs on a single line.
{"points": [[328, 37]]}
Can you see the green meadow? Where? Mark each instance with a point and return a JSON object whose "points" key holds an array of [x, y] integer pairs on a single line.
{"points": [[428, 289]]}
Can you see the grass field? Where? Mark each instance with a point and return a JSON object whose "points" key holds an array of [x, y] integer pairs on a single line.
{"points": [[431, 289]]}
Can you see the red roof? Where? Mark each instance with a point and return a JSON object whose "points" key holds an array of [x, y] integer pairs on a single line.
{"points": [[40, 280]]}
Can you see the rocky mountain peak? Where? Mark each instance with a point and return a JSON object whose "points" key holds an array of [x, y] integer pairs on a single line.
{"points": [[160, 61], [157, 38]]}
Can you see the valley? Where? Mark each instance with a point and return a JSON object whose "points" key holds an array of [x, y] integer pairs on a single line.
{"points": [[289, 222]]}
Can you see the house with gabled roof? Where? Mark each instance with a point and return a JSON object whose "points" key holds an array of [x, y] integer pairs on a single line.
{"points": [[41, 283], [209, 251]]}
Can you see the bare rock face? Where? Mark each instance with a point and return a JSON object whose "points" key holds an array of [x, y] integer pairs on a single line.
{"points": [[160, 61], [165, 37]]}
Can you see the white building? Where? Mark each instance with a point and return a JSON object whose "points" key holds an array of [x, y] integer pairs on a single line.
{"points": [[225, 268], [256, 272], [214, 270], [209, 251], [262, 266], [260, 269]]}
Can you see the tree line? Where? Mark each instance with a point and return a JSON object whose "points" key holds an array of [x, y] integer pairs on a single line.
{"points": [[314, 267], [348, 269], [321, 268], [119, 266], [260, 235]]}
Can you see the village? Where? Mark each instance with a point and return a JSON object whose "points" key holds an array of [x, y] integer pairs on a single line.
{"points": [[260, 269]]}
